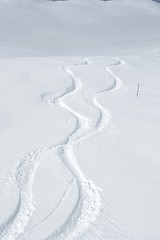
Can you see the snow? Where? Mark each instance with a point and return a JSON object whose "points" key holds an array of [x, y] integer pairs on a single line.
{"points": [[79, 149], [76, 28]]}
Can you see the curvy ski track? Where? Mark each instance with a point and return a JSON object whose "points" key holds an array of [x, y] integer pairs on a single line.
{"points": [[89, 201]]}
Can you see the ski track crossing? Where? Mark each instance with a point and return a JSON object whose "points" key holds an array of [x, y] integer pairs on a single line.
{"points": [[89, 202]]}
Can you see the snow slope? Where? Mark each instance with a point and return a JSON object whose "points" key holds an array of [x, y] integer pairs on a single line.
{"points": [[79, 149], [92, 27]]}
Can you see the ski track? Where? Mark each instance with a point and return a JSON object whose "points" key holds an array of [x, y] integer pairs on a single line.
{"points": [[89, 200], [88, 205], [25, 172]]}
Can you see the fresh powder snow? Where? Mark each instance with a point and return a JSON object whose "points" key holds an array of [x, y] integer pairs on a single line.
{"points": [[79, 120]]}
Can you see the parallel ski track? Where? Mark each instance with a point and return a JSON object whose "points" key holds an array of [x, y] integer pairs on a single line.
{"points": [[88, 205]]}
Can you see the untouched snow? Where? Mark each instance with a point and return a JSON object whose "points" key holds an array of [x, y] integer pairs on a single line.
{"points": [[74, 27], [79, 149]]}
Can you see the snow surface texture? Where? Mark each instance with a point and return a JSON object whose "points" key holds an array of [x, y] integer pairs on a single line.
{"points": [[79, 148], [79, 28]]}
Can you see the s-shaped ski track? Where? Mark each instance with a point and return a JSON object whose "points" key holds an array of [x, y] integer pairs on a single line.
{"points": [[89, 202]]}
